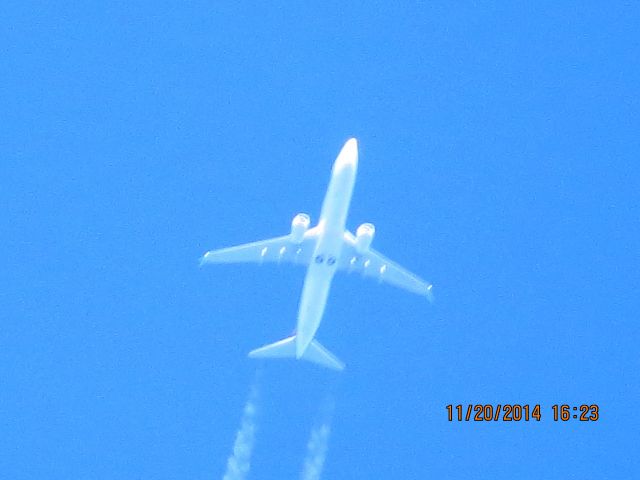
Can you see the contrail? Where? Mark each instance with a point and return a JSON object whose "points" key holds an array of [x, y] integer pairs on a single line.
{"points": [[318, 445], [239, 461]]}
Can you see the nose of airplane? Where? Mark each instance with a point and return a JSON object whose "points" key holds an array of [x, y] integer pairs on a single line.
{"points": [[348, 156]]}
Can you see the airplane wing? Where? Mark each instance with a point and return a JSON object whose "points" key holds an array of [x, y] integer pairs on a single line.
{"points": [[375, 265], [279, 250]]}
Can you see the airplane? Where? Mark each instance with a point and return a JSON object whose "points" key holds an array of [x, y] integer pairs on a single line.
{"points": [[323, 249]]}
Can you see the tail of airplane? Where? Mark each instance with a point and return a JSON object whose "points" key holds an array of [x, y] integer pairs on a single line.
{"points": [[286, 348]]}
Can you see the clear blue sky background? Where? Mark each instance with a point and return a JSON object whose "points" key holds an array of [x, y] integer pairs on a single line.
{"points": [[499, 159]]}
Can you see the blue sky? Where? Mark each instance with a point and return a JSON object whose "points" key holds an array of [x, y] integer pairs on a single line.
{"points": [[498, 159]]}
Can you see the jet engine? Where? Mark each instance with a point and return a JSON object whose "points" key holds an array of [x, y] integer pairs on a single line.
{"points": [[364, 237], [299, 227]]}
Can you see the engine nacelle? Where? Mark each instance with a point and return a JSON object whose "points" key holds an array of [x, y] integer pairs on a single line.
{"points": [[364, 237], [299, 227]]}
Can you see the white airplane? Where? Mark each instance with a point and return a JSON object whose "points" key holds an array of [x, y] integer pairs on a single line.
{"points": [[323, 249]]}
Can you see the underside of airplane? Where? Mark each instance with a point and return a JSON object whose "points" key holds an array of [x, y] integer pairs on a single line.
{"points": [[324, 249]]}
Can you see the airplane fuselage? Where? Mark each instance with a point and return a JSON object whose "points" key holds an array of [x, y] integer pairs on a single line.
{"points": [[330, 229], [324, 249]]}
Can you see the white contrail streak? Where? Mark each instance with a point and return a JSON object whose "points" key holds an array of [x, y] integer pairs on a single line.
{"points": [[316, 452], [239, 461], [318, 446]]}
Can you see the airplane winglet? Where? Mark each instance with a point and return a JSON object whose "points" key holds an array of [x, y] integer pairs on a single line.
{"points": [[429, 294]]}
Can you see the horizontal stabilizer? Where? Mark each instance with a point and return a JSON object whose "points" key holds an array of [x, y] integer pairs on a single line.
{"points": [[286, 348], [318, 354], [281, 349]]}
